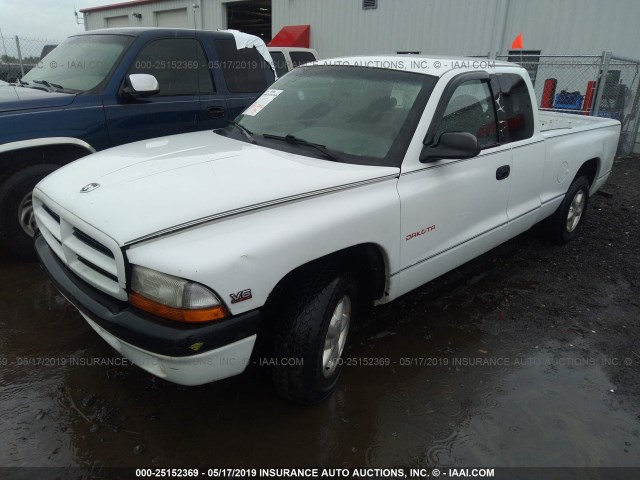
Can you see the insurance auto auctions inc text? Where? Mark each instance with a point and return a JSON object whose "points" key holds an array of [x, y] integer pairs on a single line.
{"points": [[373, 472]]}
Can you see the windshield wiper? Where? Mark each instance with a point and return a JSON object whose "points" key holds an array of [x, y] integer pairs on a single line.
{"points": [[247, 133], [293, 140], [49, 84]]}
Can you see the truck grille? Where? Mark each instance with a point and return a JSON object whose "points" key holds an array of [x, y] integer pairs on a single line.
{"points": [[89, 253]]}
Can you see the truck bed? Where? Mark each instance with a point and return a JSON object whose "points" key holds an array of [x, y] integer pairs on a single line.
{"points": [[554, 121], [570, 140]]}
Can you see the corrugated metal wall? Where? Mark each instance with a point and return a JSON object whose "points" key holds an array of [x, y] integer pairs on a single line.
{"points": [[466, 27], [99, 19], [576, 26], [341, 27], [453, 27], [213, 14]]}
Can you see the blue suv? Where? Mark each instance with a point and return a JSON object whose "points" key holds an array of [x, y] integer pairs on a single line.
{"points": [[103, 88]]}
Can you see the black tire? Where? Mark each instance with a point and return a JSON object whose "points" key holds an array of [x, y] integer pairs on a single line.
{"points": [[14, 239], [560, 229], [300, 335]]}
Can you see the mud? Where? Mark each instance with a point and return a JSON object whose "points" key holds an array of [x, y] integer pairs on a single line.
{"points": [[527, 356]]}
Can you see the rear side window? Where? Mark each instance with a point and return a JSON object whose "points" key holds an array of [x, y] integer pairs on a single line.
{"points": [[244, 70], [179, 65], [518, 110], [300, 58], [279, 62]]}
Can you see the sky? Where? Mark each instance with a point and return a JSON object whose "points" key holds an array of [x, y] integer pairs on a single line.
{"points": [[43, 19]]}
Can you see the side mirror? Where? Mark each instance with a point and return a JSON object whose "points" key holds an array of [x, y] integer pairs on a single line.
{"points": [[141, 85], [451, 145]]}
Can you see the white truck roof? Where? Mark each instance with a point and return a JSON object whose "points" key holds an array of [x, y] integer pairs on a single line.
{"points": [[428, 65]]}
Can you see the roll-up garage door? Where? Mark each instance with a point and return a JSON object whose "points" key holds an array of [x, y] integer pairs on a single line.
{"points": [[117, 22]]}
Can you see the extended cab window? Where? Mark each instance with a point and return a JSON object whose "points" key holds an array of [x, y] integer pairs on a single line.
{"points": [[243, 69], [300, 58], [179, 65], [516, 101], [470, 109]]}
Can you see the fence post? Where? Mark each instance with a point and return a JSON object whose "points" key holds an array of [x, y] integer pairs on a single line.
{"points": [[635, 130], [20, 57], [604, 71], [3, 44]]}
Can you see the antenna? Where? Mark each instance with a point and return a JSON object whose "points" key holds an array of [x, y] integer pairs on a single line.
{"points": [[195, 7]]}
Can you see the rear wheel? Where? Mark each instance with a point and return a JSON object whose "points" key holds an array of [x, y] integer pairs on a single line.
{"points": [[570, 215], [311, 335], [17, 221]]}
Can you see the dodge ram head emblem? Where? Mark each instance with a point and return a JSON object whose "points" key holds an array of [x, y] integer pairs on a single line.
{"points": [[89, 187]]}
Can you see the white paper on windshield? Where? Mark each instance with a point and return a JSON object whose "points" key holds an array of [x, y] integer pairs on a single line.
{"points": [[265, 99]]}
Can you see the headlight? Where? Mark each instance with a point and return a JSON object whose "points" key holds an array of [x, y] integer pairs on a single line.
{"points": [[173, 298]]}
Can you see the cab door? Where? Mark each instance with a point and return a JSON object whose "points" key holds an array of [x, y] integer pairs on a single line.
{"points": [[243, 72], [455, 209], [528, 149], [182, 71]]}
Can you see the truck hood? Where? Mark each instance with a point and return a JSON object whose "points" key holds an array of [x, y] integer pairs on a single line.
{"points": [[22, 98], [150, 186]]}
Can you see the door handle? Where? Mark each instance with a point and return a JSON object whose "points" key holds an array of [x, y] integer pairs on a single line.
{"points": [[215, 112], [503, 172]]}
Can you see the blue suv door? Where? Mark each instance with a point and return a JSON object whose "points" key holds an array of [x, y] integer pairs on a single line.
{"points": [[243, 72], [182, 71]]}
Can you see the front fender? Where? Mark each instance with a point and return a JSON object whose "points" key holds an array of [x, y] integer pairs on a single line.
{"points": [[254, 251], [82, 121]]}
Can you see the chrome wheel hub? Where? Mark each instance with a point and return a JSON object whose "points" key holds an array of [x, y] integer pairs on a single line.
{"points": [[26, 218], [575, 210], [336, 336]]}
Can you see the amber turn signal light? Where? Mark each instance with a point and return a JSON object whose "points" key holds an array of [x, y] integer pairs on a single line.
{"points": [[178, 314]]}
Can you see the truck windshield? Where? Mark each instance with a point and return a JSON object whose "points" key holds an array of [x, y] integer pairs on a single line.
{"points": [[363, 115], [78, 64]]}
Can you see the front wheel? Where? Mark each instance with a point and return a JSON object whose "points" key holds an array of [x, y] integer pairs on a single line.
{"points": [[311, 335], [570, 215], [17, 221]]}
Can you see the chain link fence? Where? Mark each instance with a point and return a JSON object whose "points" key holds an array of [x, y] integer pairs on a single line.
{"points": [[599, 85], [18, 55], [620, 99]]}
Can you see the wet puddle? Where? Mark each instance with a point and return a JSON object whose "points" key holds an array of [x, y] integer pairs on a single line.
{"points": [[436, 390]]}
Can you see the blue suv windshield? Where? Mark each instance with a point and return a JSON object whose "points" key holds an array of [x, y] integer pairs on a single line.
{"points": [[80, 63]]}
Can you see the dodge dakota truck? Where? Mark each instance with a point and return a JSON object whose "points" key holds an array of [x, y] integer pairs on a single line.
{"points": [[108, 87], [349, 182]]}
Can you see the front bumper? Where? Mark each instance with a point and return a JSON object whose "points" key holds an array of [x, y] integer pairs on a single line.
{"points": [[184, 354]]}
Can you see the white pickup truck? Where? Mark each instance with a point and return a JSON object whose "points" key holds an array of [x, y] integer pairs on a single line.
{"points": [[350, 181]]}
